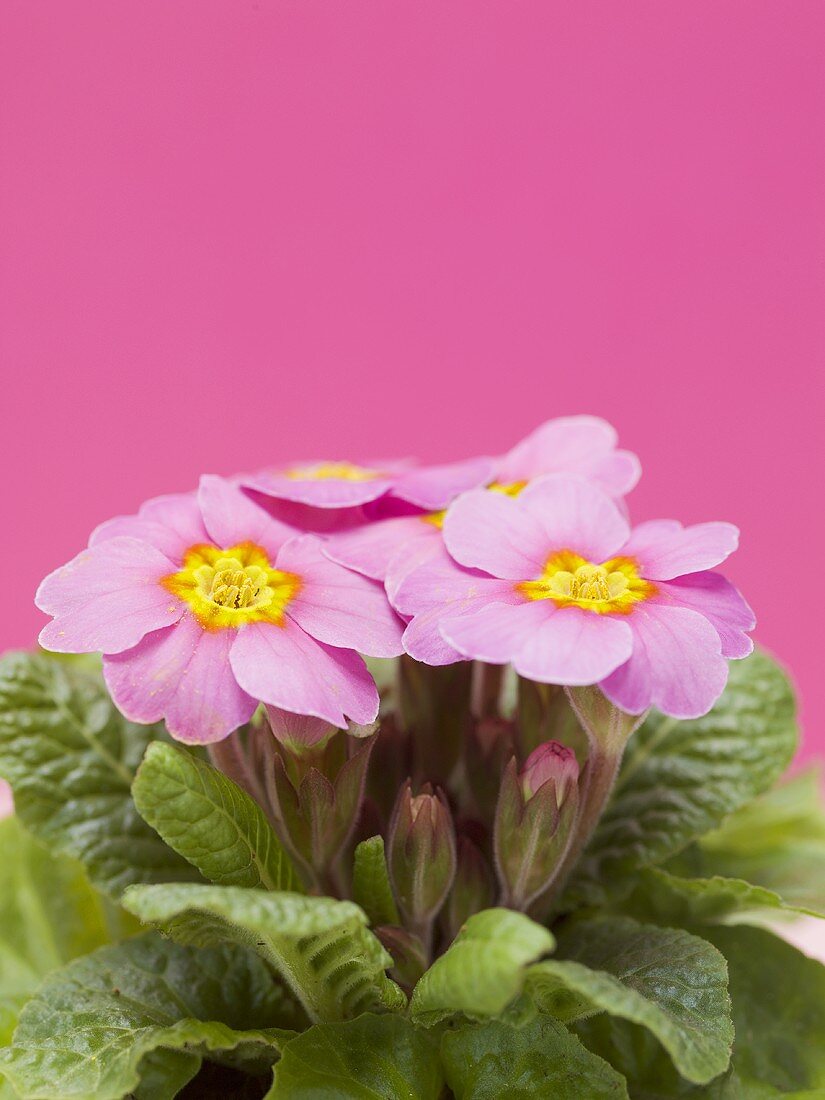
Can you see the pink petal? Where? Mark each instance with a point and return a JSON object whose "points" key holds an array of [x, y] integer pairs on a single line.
{"points": [[434, 487], [321, 492], [723, 605], [369, 549], [415, 553], [283, 666], [298, 731], [440, 582], [677, 664], [336, 605], [170, 523], [574, 647], [107, 598], [576, 515], [231, 517], [584, 445], [495, 632], [665, 552], [616, 473], [181, 674], [496, 533], [424, 642]]}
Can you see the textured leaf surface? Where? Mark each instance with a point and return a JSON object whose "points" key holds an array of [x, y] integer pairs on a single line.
{"points": [[483, 969], [667, 980], [210, 821], [778, 1009], [371, 1058], [91, 1025], [680, 779], [321, 948], [70, 758], [777, 842], [371, 887], [542, 1059], [673, 900]]}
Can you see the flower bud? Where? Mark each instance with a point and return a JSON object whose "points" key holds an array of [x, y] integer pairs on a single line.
{"points": [[421, 856], [474, 887], [534, 817], [550, 761]]}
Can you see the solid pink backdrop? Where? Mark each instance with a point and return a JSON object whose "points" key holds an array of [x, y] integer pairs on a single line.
{"points": [[234, 233]]}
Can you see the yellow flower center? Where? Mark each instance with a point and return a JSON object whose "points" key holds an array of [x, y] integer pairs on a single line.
{"points": [[226, 588], [613, 587], [509, 489], [332, 471]]}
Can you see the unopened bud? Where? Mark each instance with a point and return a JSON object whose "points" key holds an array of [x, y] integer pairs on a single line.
{"points": [[421, 856], [474, 887], [550, 762], [534, 817]]}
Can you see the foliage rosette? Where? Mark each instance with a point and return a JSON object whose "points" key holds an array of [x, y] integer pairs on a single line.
{"points": [[406, 782]]}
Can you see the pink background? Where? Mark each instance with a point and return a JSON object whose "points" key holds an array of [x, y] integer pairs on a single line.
{"points": [[238, 232]]}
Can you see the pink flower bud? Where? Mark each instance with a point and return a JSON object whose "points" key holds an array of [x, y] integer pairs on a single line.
{"points": [[550, 761]]}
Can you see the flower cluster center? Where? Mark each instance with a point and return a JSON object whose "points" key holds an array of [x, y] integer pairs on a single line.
{"points": [[612, 587], [230, 587], [230, 584]]}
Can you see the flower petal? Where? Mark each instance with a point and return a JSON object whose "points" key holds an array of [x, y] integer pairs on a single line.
{"points": [[283, 666], [574, 647], [368, 549], [170, 523], [676, 666], [415, 553], [576, 515], [665, 549], [495, 632], [713, 596], [434, 487], [496, 533], [584, 445], [326, 492], [231, 517], [107, 598], [181, 674], [444, 586], [336, 605]]}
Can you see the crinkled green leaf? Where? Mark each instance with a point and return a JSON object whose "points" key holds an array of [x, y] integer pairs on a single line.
{"points": [[665, 979], [680, 779], [542, 1059], [483, 969], [669, 899], [370, 1058], [210, 821], [778, 1009], [91, 1025], [70, 757], [49, 914], [776, 842], [371, 887], [320, 947]]}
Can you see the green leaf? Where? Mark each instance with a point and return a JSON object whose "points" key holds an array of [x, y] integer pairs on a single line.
{"points": [[210, 821], [371, 883], [667, 980], [483, 969], [49, 914], [680, 779], [778, 1009], [146, 1008], [70, 758], [321, 948], [669, 899], [777, 842], [371, 1058], [541, 1059]]}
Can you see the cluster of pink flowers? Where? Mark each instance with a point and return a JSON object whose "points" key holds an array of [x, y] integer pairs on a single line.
{"points": [[270, 588]]}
